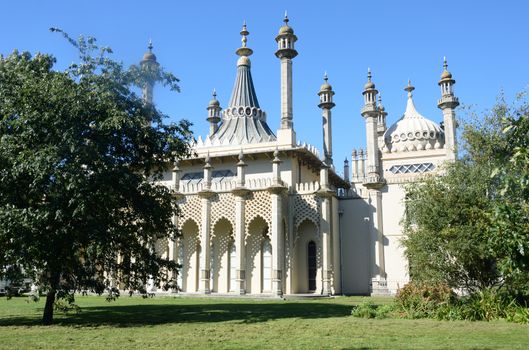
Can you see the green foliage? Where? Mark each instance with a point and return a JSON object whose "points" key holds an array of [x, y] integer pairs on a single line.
{"points": [[420, 300], [80, 154], [368, 309], [468, 227], [440, 302]]}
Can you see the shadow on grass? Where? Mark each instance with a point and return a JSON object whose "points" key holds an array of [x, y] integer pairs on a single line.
{"points": [[135, 315]]}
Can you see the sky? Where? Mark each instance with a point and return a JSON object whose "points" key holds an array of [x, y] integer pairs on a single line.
{"points": [[485, 42]]}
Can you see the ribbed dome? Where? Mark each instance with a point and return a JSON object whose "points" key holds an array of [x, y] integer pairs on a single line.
{"points": [[413, 131], [325, 87], [446, 75], [286, 30], [149, 56]]}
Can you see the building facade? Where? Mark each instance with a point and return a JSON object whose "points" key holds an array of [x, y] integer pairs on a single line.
{"points": [[262, 213]]}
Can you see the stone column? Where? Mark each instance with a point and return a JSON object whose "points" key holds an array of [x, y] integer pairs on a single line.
{"points": [[173, 244], [278, 250], [278, 240], [240, 192], [205, 194], [336, 247], [379, 283], [326, 194], [205, 229]]}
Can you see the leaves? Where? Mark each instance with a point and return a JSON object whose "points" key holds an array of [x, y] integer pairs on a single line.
{"points": [[469, 227], [78, 155]]}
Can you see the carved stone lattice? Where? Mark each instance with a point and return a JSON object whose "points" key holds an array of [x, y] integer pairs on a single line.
{"points": [[223, 206], [191, 208], [258, 204], [306, 206]]}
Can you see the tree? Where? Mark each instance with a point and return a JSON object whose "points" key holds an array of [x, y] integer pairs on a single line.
{"points": [[468, 227], [80, 154], [511, 214]]}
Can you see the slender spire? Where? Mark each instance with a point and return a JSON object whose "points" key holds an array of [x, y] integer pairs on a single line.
{"points": [[243, 120], [244, 51], [409, 88], [150, 47]]}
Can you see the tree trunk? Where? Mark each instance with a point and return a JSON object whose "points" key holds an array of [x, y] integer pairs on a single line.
{"points": [[47, 317]]}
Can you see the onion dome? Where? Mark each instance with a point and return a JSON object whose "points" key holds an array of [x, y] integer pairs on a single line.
{"points": [[214, 102], [325, 86], [369, 85], [149, 56], [286, 29], [413, 132], [446, 76]]}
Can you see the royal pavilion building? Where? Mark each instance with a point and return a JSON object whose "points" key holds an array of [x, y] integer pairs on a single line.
{"points": [[263, 213]]}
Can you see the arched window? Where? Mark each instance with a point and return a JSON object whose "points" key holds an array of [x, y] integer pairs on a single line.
{"points": [[233, 268], [312, 268], [267, 266]]}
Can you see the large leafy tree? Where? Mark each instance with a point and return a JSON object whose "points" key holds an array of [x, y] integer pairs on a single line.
{"points": [[468, 227], [80, 154]]}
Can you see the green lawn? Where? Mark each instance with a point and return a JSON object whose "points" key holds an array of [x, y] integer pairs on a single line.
{"points": [[199, 323]]}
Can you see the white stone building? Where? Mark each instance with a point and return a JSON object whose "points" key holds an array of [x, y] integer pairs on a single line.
{"points": [[263, 213]]}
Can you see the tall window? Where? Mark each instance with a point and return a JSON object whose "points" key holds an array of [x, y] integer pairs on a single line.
{"points": [[312, 266], [267, 266], [233, 268]]}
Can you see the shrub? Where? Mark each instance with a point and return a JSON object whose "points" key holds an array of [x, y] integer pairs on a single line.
{"points": [[368, 309], [419, 300]]}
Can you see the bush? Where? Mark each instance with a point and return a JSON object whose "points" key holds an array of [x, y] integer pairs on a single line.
{"points": [[368, 309], [420, 300]]}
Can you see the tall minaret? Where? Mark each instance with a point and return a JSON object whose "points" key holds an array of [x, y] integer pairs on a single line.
{"points": [[326, 104], [381, 125], [447, 103], [370, 113], [286, 52], [213, 114], [148, 64]]}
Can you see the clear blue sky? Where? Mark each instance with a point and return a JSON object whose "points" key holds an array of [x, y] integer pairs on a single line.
{"points": [[486, 43]]}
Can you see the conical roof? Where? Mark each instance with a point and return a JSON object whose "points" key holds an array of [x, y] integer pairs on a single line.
{"points": [[243, 121]]}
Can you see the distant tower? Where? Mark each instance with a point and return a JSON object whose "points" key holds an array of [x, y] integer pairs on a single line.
{"points": [[346, 170], [326, 104], [382, 114], [447, 103], [370, 113], [286, 52], [148, 65], [213, 114]]}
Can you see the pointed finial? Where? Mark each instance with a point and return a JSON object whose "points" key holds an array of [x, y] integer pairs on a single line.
{"points": [[346, 161], [445, 64], [214, 94], [276, 155], [409, 88], [150, 45], [286, 18], [325, 77], [244, 33], [368, 74]]}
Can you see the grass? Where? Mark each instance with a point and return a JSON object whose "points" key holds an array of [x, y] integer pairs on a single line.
{"points": [[199, 323]]}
